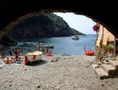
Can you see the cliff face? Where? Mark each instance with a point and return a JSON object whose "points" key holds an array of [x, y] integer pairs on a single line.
{"points": [[44, 25]]}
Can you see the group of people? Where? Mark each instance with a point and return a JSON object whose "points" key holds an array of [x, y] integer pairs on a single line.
{"points": [[16, 52], [13, 56]]}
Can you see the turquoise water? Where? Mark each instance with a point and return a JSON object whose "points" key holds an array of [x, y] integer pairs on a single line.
{"points": [[66, 45]]}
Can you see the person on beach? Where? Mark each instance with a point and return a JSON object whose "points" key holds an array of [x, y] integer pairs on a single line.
{"points": [[10, 51], [37, 48], [47, 50], [16, 54], [18, 51], [2, 52]]}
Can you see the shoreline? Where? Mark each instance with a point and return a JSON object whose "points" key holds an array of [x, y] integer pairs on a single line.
{"points": [[67, 73]]}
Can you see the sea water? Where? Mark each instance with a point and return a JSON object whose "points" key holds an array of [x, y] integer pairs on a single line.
{"points": [[62, 45]]}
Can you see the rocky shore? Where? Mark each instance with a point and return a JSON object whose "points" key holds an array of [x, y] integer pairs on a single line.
{"points": [[54, 73]]}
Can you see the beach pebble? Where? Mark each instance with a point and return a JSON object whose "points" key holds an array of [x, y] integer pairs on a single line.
{"points": [[106, 81], [101, 84], [109, 84], [87, 66], [57, 87], [117, 88], [10, 85], [94, 66], [38, 86], [69, 74], [0, 67], [21, 85], [25, 69], [90, 77]]}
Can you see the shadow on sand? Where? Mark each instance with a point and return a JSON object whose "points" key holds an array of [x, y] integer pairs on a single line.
{"points": [[37, 62], [114, 75]]}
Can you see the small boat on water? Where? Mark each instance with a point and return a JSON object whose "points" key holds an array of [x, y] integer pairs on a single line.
{"points": [[75, 37], [25, 44], [42, 45], [46, 45], [89, 52], [31, 44]]}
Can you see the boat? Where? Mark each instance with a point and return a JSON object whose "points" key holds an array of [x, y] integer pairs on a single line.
{"points": [[25, 44], [89, 52], [33, 56], [46, 45], [75, 37]]}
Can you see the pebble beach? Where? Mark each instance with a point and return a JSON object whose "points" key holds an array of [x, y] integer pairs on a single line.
{"points": [[54, 73]]}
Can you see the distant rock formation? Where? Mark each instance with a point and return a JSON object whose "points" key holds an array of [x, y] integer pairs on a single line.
{"points": [[43, 25]]}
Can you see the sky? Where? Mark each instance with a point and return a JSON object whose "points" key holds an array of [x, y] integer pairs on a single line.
{"points": [[79, 22]]}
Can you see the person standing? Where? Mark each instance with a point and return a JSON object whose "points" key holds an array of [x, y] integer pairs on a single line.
{"points": [[2, 52], [10, 52], [37, 48], [16, 54]]}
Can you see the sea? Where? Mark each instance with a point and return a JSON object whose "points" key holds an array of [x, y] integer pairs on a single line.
{"points": [[68, 46], [63, 45]]}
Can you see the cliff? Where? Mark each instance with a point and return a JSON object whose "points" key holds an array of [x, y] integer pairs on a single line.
{"points": [[43, 25]]}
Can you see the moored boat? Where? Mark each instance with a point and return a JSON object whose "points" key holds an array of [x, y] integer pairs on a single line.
{"points": [[33, 56], [46, 45], [89, 52], [75, 37]]}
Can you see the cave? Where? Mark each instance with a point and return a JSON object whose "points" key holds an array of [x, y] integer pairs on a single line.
{"points": [[99, 11]]}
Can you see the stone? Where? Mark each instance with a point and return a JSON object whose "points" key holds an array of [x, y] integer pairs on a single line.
{"points": [[57, 87], [10, 85], [101, 84], [108, 69], [101, 73], [25, 69], [38, 86], [109, 84], [117, 88], [105, 62], [0, 67], [94, 66], [90, 77], [21, 85]]}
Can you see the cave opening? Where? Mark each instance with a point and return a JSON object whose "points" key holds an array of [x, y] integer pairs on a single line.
{"points": [[72, 60], [49, 25]]}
